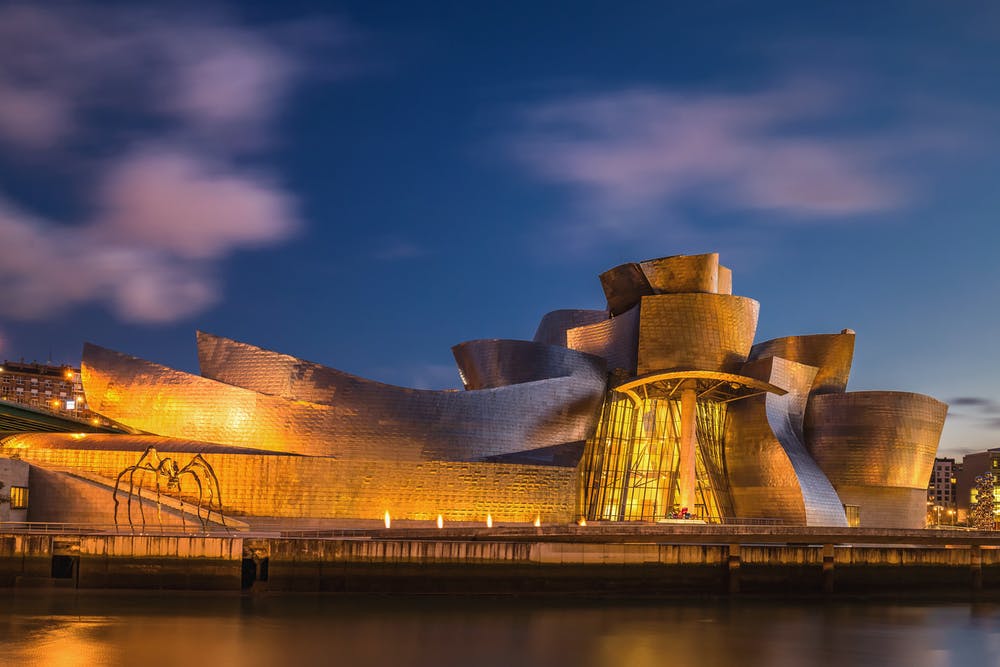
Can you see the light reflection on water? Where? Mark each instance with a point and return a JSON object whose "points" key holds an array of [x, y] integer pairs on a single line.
{"points": [[62, 628]]}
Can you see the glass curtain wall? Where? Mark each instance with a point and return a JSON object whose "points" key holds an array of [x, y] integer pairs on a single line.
{"points": [[630, 465]]}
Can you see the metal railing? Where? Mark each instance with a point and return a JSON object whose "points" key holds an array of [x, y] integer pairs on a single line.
{"points": [[66, 528]]}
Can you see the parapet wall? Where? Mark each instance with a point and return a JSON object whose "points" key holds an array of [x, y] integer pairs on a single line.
{"points": [[456, 563], [323, 488]]}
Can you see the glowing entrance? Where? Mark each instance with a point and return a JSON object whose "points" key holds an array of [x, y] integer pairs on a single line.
{"points": [[660, 447]]}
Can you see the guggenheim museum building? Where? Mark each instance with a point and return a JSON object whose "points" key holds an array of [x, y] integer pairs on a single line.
{"points": [[659, 407]]}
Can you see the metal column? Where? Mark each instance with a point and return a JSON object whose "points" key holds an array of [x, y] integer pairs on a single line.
{"points": [[686, 479]]}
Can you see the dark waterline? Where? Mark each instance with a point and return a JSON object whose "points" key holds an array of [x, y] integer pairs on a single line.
{"points": [[62, 628]]}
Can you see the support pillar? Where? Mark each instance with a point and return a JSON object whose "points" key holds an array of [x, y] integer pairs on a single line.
{"points": [[686, 479], [828, 561], [735, 559], [976, 564]]}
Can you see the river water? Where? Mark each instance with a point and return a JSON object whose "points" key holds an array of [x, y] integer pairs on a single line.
{"points": [[60, 628]]}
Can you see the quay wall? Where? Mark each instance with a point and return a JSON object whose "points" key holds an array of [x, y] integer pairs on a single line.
{"points": [[420, 564]]}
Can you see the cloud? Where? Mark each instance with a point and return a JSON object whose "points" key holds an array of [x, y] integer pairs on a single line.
{"points": [[178, 102], [47, 267], [190, 206], [975, 402], [393, 249], [983, 412], [62, 63], [626, 156]]}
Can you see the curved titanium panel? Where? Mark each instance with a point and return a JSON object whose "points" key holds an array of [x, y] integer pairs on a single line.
{"points": [[878, 448], [489, 363], [832, 354], [117, 442], [725, 280], [373, 420], [695, 332], [875, 438], [683, 273], [613, 339], [553, 327], [320, 411], [771, 474], [623, 286]]}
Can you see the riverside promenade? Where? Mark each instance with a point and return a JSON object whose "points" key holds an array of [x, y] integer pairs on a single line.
{"points": [[608, 559]]}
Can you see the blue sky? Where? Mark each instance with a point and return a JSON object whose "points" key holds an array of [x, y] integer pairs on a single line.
{"points": [[366, 184]]}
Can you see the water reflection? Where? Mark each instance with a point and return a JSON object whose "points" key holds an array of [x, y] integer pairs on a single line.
{"points": [[61, 629]]}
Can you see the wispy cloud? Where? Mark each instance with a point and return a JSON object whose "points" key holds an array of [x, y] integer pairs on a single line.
{"points": [[984, 404], [980, 410], [627, 156], [178, 101], [394, 249]]}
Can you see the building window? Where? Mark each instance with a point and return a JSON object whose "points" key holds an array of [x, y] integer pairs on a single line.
{"points": [[19, 497], [853, 513]]}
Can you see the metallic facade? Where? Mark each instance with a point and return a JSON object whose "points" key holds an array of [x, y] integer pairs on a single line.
{"points": [[683, 273], [553, 327], [269, 485], [831, 354], [695, 332], [487, 364], [877, 445], [773, 474], [615, 339], [659, 406], [252, 397]]}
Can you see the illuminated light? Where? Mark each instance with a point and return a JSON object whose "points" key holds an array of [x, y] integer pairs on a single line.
{"points": [[489, 520], [581, 522], [54, 402], [388, 519], [538, 521], [440, 521], [71, 405], [95, 421], [69, 375], [78, 436]]}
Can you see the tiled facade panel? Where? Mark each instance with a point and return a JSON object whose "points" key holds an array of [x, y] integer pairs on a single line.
{"points": [[553, 327], [762, 480], [613, 339], [887, 507], [486, 364], [764, 450], [695, 331], [725, 280], [623, 287], [323, 488], [58, 497], [683, 273], [831, 354], [364, 419], [876, 438]]}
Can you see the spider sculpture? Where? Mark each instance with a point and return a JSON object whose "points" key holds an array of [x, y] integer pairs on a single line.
{"points": [[166, 473]]}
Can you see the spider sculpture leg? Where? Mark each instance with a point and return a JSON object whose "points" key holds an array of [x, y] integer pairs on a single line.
{"points": [[197, 482], [146, 462], [142, 511], [114, 495], [198, 463]]}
